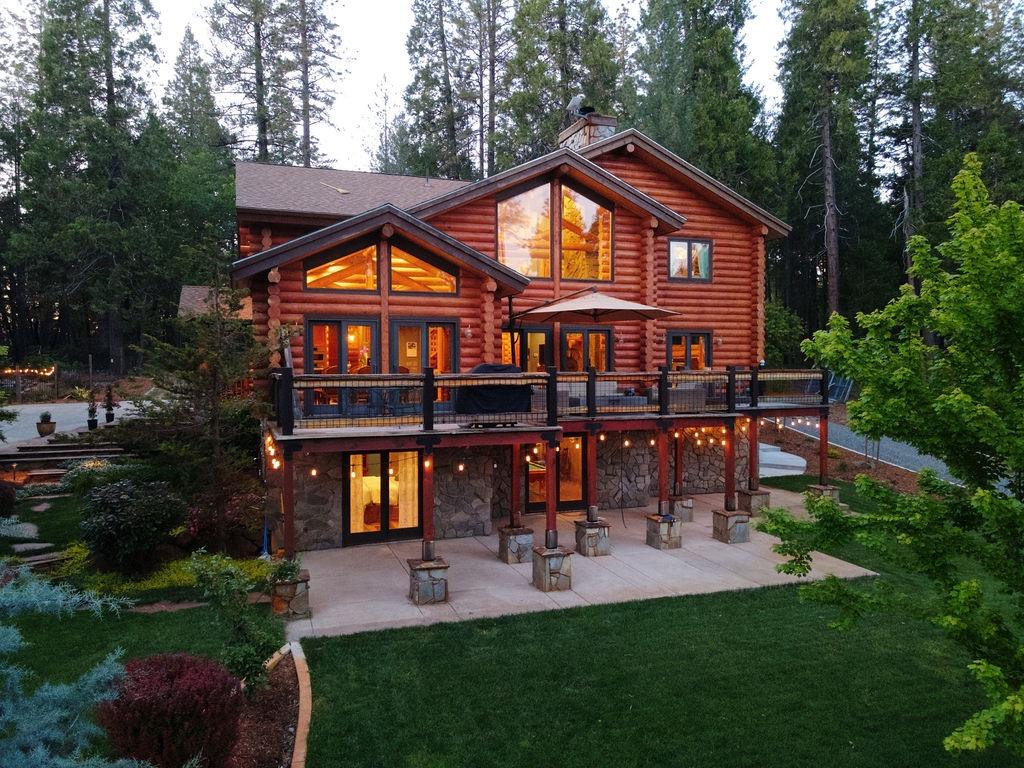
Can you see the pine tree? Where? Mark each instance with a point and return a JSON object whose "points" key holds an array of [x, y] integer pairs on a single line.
{"points": [[562, 48], [253, 66], [693, 97], [313, 43], [438, 100], [190, 109]]}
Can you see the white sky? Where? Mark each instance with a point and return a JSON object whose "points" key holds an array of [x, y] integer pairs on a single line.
{"points": [[373, 37]]}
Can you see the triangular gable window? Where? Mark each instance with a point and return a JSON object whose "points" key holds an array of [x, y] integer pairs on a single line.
{"points": [[340, 271], [412, 274]]}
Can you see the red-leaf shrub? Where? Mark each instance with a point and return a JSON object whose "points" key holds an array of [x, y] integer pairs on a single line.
{"points": [[173, 707]]}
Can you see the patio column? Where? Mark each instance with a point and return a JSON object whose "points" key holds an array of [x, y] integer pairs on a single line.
{"points": [[678, 464], [428, 576], [288, 500], [515, 542], [427, 490], [662, 441], [730, 464], [552, 564], [550, 495], [753, 498], [590, 446], [593, 534]]}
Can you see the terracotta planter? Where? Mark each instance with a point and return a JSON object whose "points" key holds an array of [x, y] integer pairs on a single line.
{"points": [[45, 428], [291, 598]]}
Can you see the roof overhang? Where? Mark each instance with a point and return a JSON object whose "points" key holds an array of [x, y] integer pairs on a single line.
{"points": [[508, 280], [569, 164], [649, 150]]}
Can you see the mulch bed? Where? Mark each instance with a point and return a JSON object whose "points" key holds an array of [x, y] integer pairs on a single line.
{"points": [[843, 464], [266, 732]]}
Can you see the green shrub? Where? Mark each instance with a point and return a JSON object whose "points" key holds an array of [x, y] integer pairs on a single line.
{"points": [[83, 476], [253, 635], [124, 521], [8, 498]]}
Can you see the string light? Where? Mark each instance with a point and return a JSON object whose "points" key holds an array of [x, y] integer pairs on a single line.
{"points": [[461, 467], [312, 472], [276, 464], [29, 371], [652, 441], [676, 434], [625, 443], [426, 465], [601, 437]]}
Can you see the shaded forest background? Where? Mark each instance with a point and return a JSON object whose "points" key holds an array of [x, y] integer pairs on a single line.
{"points": [[112, 197]]}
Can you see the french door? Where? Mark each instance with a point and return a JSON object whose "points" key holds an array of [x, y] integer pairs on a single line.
{"points": [[341, 347], [689, 350], [571, 470], [381, 497], [416, 345], [583, 348]]}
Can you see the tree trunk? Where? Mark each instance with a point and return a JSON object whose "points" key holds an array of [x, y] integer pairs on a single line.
{"points": [[451, 138], [912, 213], [492, 66], [562, 54], [831, 212], [262, 113], [481, 55], [304, 57], [108, 66]]}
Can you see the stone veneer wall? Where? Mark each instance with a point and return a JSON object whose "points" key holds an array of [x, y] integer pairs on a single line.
{"points": [[463, 500], [318, 500], [628, 477]]}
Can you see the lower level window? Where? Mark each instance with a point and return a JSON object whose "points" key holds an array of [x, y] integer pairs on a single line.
{"points": [[689, 351], [383, 493]]}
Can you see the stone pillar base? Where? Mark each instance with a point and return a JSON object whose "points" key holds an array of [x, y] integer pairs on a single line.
{"points": [[730, 526], [592, 538], [681, 508], [753, 501], [552, 569], [832, 491], [428, 581], [664, 532], [515, 545]]}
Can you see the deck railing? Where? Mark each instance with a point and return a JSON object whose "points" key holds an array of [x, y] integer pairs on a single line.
{"points": [[428, 400]]}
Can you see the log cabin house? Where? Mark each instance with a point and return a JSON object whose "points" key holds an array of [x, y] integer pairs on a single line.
{"points": [[380, 295]]}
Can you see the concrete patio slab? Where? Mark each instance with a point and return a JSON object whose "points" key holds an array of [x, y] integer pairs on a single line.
{"points": [[365, 588]]}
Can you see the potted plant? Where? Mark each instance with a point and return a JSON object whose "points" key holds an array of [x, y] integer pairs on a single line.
{"points": [[92, 421], [46, 424], [108, 403], [289, 588]]}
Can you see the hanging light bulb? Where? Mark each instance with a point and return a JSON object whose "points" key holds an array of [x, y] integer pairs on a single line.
{"points": [[312, 472], [391, 470], [625, 443], [698, 442], [461, 467], [652, 441], [276, 464], [676, 435], [711, 441], [352, 474], [426, 465], [601, 437]]}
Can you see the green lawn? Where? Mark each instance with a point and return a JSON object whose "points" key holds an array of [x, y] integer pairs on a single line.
{"points": [[752, 678], [58, 525]]}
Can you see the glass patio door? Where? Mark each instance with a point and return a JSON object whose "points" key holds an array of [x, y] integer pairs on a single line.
{"points": [[419, 345], [571, 469], [341, 347], [586, 347], [381, 497], [688, 351]]}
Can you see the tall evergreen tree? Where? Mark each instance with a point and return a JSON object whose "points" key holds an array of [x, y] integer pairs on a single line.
{"points": [[190, 109], [253, 65], [693, 98], [562, 48]]}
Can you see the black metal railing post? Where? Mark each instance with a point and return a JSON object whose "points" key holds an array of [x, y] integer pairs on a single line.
{"points": [[754, 386], [284, 404], [591, 391], [824, 386], [663, 395], [552, 396], [429, 393], [730, 389]]}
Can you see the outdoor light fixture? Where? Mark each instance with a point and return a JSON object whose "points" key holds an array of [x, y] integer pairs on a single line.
{"points": [[426, 464]]}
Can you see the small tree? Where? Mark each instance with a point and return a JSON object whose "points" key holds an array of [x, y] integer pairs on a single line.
{"points": [[49, 727], [198, 420], [961, 400], [5, 413]]}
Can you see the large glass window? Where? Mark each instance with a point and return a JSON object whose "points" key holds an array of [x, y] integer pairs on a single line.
{"points": [[585, 348], [689, 351], [355, 271], [530, 350], [410, 274], [689, 259], [586, 237], [344, 346], [524, 232]]}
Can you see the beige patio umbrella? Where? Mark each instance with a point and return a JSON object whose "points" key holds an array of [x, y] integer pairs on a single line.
{"points": [[592, 306]]}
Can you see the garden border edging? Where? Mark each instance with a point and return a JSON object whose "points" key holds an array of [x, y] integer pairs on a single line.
{"points": [[305, 704]]}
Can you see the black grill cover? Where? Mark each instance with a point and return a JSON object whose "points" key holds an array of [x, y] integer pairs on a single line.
{"points": [[494, 398]]}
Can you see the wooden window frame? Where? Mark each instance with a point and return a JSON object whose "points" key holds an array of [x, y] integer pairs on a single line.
{"points": [[709, 336], [689, 263], [586, 330], [347, 249], [423, 322], [423, 255], [514, 191], [604, 203], [346, 501]]}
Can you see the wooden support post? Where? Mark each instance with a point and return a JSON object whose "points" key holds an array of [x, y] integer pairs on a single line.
{"points": [[550, 496], [679, 468], [662, 440], [590, 445], [730, 464], [427, 489], [754, 473], [515, 518], [288, 502], [823, 447]]}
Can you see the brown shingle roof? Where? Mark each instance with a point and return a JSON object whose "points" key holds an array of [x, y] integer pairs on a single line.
{"points": [[328, 192], [195, 300]]}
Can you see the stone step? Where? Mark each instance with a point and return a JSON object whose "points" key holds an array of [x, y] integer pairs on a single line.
{"points": [[775, 462], [43, 475]]}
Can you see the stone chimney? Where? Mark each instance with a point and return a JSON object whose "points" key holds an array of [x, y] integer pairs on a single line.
{"points": [[590, 128]]}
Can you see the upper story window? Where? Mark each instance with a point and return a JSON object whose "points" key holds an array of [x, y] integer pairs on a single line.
{"points": [[353, 271], [411, 274], [689, 259], [586, 237], [524, 232]]}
